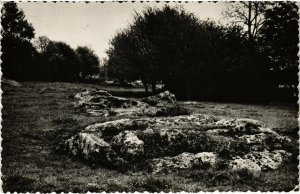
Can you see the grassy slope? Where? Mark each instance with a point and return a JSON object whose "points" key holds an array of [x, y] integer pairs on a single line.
{"points": [[37, 117]]}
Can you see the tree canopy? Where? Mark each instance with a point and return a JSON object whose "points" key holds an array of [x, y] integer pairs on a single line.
{"points": [[193, 58], [204, 60], [156, 46], [17, 50], [41, 59], [62, 62], [89, 62]]}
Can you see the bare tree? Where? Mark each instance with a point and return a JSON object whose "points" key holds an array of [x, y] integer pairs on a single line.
{"points": [[41, 43], [249, 14]]}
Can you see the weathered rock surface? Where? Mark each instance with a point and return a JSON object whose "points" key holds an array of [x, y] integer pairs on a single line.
{"points": [[183, 161], [166, 144], [89, 146], [102, 103], [128, 145], [256, 162]]}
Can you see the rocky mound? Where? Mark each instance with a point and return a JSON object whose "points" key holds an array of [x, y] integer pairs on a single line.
{"points": [[190, 141], [102, 103]]}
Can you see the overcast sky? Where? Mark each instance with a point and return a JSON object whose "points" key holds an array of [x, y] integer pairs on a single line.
{"points": [[94, 24]]}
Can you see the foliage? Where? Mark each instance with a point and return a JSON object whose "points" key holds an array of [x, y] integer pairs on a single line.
{"points": [[62, 63], [207, 61], [187, 55], [274, 37], [194, 59], [156, 46], [279, 41], [57, 61], [45, 59], [17, 51], [89, 62], [14, 23]]}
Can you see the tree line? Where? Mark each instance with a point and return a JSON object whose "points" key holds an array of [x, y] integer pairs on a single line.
{"points": [[25, 57], [252, 58]]}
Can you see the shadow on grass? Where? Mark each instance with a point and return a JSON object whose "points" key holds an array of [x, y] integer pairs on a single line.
{"points": [[18, 184]]}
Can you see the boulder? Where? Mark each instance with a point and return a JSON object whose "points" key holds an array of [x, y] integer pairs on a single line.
{"points": [[240, 126], [239, 164], [117, 126], [183, 161], [256, 162], [128, 145], [89, 146], [162, 99], [207, 158], [266, 140], [268, 160], [102, 103]]}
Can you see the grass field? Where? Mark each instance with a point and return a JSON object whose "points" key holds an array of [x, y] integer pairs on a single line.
{"points": [[38, 117]]}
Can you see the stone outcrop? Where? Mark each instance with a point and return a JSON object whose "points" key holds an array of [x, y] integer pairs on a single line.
{"points": [[128, 145], [256, 162], [102, 103], [164, 144], [89, 146], [183, 161]]}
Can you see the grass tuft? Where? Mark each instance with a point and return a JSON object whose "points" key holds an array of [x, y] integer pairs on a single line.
{"points": [[151, 184]]}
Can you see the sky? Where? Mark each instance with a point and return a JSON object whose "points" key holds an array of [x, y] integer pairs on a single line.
{"points": [[94, 24]]}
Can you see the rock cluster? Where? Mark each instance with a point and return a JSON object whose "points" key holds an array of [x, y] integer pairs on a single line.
{"points": [[164, 144], [102, 103]]}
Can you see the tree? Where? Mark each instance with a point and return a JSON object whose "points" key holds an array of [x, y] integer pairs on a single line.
{"points": [[123, 57], [104, 70], [249, 14], [89, 62], [194, 59], [62, 62], [17, 50], [41, 44], [158, 45], [280, 34], [279, 41]]}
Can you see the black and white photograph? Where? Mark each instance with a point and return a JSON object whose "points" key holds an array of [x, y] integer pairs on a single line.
{"points": [[149, 96]]}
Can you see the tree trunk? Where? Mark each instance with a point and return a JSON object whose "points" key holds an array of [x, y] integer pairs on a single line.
{"points": [[145, 85], [153, 84], [188, 92], [122, 82], [249, 21]]}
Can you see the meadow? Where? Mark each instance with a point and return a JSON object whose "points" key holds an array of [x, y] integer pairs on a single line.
{"points": [[38, 116]]}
